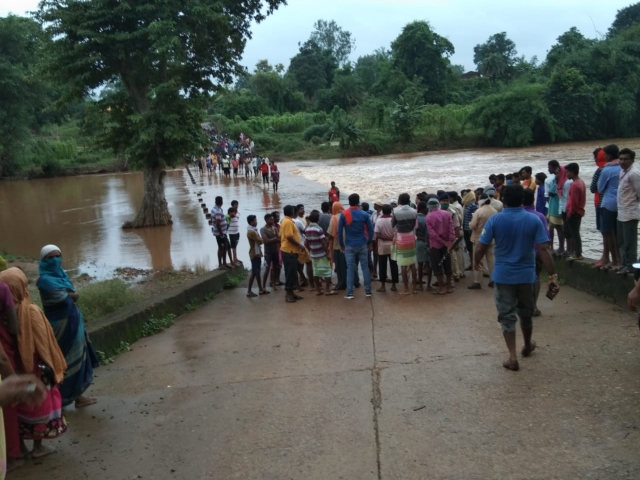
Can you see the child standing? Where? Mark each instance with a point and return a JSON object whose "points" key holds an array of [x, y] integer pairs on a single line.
{"points": [[255, 253], [316, 242]]}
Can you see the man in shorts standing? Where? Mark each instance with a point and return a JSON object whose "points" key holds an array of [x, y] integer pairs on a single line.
{"points": [[219, 230], [441, 237], [608, 189], [255, 254], [271, 241], [515, 231]]}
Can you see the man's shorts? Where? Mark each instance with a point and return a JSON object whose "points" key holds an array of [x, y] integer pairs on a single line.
{"points": [[234, 239], [235, 171], [223, 242], [556, 221], [272, 261], [608, 221], [513, 301], [255, 266], [265, 176]]}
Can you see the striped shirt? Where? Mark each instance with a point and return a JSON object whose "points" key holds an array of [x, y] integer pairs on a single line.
{"points": [[314, 235], [469, 210], [404, 219], [218, 214], [234, 225]]}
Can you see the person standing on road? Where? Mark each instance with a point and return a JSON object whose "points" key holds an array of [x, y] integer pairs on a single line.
{"points": [[355, 234], [219, 230], [255, 254], [334, 193], [514, 232], [575, 208], [628, 210], [608, 189], [441, 236], [384, 234], [290, 247], [271, 242], [477, 223], [404, 221]]}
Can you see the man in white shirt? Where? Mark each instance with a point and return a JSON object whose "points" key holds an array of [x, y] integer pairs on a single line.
{"points": [[628, 210]]}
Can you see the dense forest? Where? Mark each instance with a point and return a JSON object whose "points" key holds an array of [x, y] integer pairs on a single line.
{"points": [[404, 97]]}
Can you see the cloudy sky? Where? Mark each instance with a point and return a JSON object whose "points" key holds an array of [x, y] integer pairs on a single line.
{"points": [[533, 26]]}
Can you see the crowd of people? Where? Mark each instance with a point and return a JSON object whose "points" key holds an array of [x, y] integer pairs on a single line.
{"points": [[505, 230], [226, 157], [46, 359]]}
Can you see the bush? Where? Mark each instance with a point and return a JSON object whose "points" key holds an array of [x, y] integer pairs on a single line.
{"points": [[315, 131], [102, 298], [51, 166], [265, 141], [373, 143], [290, 145], [316, 140]]}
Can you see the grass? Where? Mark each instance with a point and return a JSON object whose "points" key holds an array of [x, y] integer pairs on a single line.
{"points": [[235, 280], [156, 325], [10, 257], [103, 298]]}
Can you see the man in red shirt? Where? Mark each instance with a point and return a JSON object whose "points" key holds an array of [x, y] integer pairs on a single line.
{"points": [[264, 168], [334, 193], [575, 208]]}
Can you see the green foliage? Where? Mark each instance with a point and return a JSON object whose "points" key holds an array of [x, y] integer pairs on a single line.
{"points": [[312, 68], [420, 52], [330, 37], [235, 280], [157, 325], [625, 18], [103, 298], [405, 117], [318, 131], [516, 118], [496, 57], [343, 128], [445, 123]]}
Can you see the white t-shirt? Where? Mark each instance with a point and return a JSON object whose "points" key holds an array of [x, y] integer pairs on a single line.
{"points": [[301, 228], [234, 225], [565, 196]]}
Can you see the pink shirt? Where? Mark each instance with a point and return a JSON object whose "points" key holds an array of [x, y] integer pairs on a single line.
{"points": [[440, 228]]}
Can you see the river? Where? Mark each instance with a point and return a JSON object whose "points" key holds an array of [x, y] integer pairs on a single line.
{"points": [[83, 215]]}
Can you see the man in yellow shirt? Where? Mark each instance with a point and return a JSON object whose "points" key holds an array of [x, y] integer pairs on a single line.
{"points": [[527, 180], [290, 246]]}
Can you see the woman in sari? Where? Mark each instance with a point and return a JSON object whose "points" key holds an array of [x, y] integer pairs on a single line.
{"points": [[58, 300], [37, 353]]}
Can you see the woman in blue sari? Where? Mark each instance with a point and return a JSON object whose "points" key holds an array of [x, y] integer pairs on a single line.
{"points": [[58, 301]]}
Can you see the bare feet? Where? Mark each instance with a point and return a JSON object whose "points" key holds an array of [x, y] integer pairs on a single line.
{"points": [[381, 290], [404, 294], [83, 401], [511, 365], [526, 352], [40, 451]]}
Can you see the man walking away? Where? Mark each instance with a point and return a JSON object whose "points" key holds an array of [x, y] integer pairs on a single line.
{"points": [[355, 233], [575, 208], [441, 236], [628, 210], [290, 246], [515, 231], [608, 189]]}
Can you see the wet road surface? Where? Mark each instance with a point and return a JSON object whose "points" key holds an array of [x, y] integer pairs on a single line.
{"points": [[387, 388]]}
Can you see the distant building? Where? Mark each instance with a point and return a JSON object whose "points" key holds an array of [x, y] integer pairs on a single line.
{"points": [[470, 75]]}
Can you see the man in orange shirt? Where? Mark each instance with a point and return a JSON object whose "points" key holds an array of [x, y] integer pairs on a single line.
{"points": [[290, 247], [264, 168]]}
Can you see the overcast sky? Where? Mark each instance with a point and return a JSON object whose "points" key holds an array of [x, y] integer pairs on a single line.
{"points": [[533, 26]]}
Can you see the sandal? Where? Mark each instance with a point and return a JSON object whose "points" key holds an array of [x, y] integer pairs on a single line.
{"points": [[333, 292], [526, 352], [511, 365], [265, 292], [298, 297], [251, 295], [290, 300]]}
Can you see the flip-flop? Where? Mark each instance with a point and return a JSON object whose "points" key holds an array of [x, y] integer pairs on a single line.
{"points": [[251, 295], [404, 294], [331, 293], [264, 293], [319, 294], [298, 297], [436, 292], [290, 300]]}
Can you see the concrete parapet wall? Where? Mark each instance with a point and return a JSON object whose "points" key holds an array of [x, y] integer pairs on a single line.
{"points": [[126, 325], [602, 283]]}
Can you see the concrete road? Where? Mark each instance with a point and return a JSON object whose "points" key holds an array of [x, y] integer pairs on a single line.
{"points": [[387, 388]]}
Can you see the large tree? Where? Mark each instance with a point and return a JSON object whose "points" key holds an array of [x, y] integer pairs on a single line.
{"points": [[625, 18], [169, 57], [329, 36], [313, 68], [496, 57], [22, 92], [420, 52]]}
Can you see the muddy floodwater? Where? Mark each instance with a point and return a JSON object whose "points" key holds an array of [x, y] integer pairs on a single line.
{"points": [[83, 215]]}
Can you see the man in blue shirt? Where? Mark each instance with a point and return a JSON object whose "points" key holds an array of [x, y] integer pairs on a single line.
{"points": [[355, 233], [515, 232]]}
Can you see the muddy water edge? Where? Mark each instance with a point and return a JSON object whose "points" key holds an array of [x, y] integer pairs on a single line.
{"points": [[83, 215]]}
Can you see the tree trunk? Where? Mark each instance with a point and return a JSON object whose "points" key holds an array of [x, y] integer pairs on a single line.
{"points": [[154, 211]]}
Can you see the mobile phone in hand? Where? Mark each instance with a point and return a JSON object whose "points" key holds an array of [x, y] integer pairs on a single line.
{"points": [[552, 292]]}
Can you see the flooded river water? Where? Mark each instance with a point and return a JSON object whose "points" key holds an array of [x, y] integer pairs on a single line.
{"points": [[83, 215]]}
